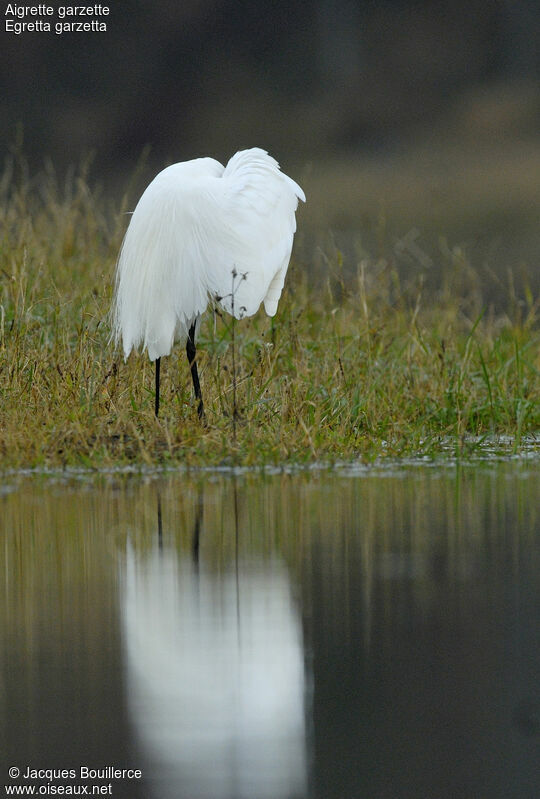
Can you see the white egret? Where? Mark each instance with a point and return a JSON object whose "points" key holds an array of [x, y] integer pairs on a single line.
{"points": [[215, 678], [201, 233]]}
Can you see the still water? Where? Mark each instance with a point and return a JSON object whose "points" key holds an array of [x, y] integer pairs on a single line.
{"points": [[332, 634]]}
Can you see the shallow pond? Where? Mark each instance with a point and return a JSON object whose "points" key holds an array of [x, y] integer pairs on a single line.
{"points": [[331, 634]]}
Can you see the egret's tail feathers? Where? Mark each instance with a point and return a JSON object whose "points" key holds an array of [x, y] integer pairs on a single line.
{"points": [[161, 276]]}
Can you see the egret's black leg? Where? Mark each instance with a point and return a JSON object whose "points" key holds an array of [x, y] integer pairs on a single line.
{"points": [[195, 544], [159, 522], [158, 364], [191, 356]]}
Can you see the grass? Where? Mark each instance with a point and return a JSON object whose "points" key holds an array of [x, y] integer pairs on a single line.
{"points": [[359, 362]]}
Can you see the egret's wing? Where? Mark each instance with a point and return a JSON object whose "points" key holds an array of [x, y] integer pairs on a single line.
{"points": [[255, 224], [161, 281]]}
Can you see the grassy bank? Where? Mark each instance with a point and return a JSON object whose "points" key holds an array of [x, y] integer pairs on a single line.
{"points": [[358, 362]]}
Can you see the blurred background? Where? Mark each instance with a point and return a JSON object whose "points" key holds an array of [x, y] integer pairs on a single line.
{"points": [[413, 126]]}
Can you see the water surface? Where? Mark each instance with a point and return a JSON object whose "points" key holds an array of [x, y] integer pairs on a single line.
{"points": [[314, 635]]}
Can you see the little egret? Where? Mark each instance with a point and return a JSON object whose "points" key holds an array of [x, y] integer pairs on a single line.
{"points": [[201, 233]]}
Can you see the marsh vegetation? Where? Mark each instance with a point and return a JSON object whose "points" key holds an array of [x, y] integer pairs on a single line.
{"points": [[362, 360]]}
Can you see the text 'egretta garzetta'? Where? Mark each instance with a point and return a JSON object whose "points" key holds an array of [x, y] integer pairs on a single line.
{"points": [[201, 233]]}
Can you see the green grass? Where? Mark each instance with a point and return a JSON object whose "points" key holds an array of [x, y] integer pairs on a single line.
{"points": [[358, 363]]}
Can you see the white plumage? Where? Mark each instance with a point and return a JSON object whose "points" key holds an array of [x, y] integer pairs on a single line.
{"points": [[195, 224], [215, 679]]}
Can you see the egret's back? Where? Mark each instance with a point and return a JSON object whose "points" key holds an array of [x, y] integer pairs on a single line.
{"points": [[196, 225]]}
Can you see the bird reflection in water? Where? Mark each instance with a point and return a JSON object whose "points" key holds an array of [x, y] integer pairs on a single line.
{"points": [[215, 673]]}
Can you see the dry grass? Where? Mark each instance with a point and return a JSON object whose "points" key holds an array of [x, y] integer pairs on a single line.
{"points": [[357, 363]]}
